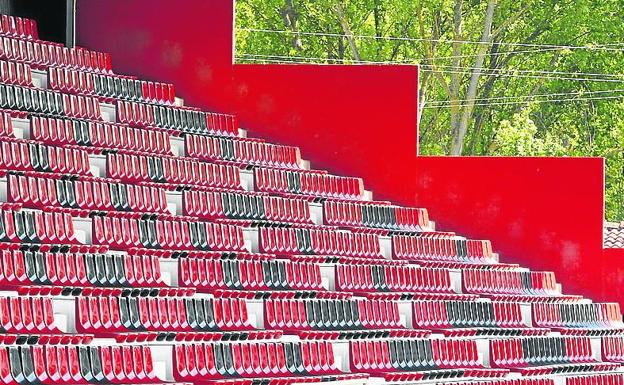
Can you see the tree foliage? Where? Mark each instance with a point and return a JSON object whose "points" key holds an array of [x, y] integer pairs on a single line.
{"points": [[498, 77]]}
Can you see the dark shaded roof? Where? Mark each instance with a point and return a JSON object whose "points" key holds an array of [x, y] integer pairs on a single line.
{"points": [[614, 235]]}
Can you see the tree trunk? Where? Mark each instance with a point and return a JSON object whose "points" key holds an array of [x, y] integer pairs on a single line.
{"points": [[422, 96], [458, 139], [455, 109], [377, 16], [347, 30], [428, 54], [290, 20], [341, 50]]}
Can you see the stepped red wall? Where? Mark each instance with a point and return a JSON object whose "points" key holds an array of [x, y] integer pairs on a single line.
{"points": [[361, 120], [543, 213], [338, 113], [612, 281]]}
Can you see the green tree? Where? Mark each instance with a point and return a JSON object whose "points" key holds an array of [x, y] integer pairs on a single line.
{"points": [[498, 77]]}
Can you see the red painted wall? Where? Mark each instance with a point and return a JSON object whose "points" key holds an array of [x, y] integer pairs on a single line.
{"points": [[353, 120], [335, 114], [188, 41], [536, 211], [361, 120], [612, 280]]}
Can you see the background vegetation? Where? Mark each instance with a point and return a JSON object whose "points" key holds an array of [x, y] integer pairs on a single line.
{"points": [[498, 77]]}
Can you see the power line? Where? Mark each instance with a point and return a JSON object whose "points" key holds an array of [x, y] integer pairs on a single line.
{"points": [[620, 77], [503, 53], [438, 103], [456, 70], [316, 60], [526, 76], [500, 53], [602, 75], [607, 46], [489, 55], [532, 101], [549, 47], [448, 105]]}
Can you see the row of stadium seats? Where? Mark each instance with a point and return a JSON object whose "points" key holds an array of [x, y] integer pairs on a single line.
{"points": [[79, 270], [419, 359], [318, 241], [19, 27], [395, 360], [60, 132], [339, 213], [21, 155], [315, 183], [441, 249], [15, 73], [246, 206], [184, 171], [42, 54], [210, 275], [34, 315], [471, 318], [347, 314], [39, 190], [49, 102], [125, 233], [30, 226], [367, 278], [242, 151], [184, 119], [579, 318], [480, 281], [39, 364], [106, 315], [198, 362], [110, 86], [546, 355]]}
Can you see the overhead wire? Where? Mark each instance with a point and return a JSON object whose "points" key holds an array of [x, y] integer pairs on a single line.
{"points": [[543, 47], [602, 46], [570, 96], [552, 75], [595, 74], [450, 103], [529, 102], [317, 60]]}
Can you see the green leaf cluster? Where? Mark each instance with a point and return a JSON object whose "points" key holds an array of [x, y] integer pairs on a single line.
{"points": [[550, 82]]}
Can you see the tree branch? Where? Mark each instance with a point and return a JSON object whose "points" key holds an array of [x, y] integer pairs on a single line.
{"points": [[289, 15], [347, 30], [458, 140]]}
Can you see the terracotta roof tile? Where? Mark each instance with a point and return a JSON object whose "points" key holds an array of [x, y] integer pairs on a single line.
{"points": [[614, 235]]}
